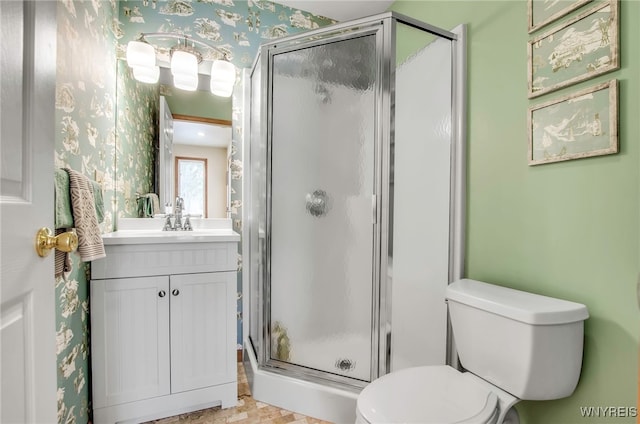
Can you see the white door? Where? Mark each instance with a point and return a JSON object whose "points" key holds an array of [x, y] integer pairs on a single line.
{"points": [[27, 296]]}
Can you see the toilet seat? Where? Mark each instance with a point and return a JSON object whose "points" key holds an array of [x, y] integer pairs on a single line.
{"points": [[430, 394]]}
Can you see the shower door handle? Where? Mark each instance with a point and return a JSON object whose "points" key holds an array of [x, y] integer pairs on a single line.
{"points": [[374, 209], [318, 203]]}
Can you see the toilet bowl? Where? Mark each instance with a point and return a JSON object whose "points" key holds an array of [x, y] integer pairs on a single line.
{"points": [[513, 345], [429, 394]]}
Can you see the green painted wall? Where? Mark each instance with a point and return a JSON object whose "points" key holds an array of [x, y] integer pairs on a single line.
{"points": [[198, 103], [569, 229]]}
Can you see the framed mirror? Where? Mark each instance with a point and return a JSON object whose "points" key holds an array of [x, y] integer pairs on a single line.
{"points": [[146, 147]]}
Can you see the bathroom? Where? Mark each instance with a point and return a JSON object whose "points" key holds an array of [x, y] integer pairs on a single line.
{"points": [[573, 236]]}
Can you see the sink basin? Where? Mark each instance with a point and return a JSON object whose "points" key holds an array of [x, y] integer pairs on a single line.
{"points": [[149, 231]]}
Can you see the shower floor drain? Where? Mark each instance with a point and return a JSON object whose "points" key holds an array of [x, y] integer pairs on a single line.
{"points": [[344, 364]]}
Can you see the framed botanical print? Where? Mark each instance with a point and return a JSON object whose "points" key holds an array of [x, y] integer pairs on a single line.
{"points": [[543, 12], [578, 125], [575, 50]]}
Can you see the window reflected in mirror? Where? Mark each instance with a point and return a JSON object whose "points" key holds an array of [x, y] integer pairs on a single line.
{"points": [[191, 184]]}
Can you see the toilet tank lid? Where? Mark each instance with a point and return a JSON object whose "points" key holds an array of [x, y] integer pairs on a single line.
{"points": [[515, 304]]}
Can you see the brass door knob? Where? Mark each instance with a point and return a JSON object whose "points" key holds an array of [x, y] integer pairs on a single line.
{"points": [[46, 240]]}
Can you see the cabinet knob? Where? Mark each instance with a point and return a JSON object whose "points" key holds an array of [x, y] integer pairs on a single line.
{"points": [[162, 293], [175, 292]]}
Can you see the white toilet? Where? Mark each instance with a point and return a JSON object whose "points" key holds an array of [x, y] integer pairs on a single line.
{"points": [[513, 345]]}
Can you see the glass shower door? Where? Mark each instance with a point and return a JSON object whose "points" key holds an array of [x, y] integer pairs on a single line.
{"points": [[321, 208]]}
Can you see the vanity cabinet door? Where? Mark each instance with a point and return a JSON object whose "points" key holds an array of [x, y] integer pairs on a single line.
{"points": [[130, 339], [203, 330]]}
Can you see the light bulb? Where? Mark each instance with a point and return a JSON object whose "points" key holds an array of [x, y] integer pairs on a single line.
{"points": [[184, 64], [147, 75], [222, 89], [188, 83], [141, 54], [223, 77]]}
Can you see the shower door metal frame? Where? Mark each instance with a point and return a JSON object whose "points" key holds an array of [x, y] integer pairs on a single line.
{"points": [[383, 26], [268, 51]]}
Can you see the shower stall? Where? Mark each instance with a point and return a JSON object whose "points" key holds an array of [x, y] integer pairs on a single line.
{"points": [[354, 208]]}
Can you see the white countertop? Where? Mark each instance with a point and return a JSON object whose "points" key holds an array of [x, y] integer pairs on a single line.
{"points": [[149, 231]]}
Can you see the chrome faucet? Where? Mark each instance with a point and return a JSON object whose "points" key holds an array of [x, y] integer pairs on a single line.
{"points": [[177, 225], [177, 219], [187, 223], [167, 223]]}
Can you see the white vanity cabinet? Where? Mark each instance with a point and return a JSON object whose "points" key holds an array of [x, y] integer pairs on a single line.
{"points": [[163, 329]]}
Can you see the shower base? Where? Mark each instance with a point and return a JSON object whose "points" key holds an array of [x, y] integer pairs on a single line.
{"points": [[324, 354], [305, 397]]}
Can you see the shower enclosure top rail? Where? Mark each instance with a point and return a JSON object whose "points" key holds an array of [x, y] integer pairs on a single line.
{"points": [[367, 21]]}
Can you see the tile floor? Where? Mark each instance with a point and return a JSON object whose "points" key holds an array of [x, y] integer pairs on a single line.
{"points": [[248, 411]]}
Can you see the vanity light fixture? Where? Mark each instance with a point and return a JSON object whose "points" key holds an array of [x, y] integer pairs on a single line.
{"points": [[141, 54], [186, 82], [184, 64], [184, 68], [223, 77], [147, 75], [141, 57], [185, 57]]}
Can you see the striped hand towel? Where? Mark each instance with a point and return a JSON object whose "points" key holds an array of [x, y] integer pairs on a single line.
{"points": [[90, 245]]}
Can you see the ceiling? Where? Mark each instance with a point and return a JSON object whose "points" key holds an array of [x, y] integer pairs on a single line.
{"points": [[200, 134], [338, 9]]}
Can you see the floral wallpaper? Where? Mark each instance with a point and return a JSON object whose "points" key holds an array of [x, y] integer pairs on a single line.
{"points": [[85, 141], [105, 128], [136, 141], [236, 27], [235, 164]]}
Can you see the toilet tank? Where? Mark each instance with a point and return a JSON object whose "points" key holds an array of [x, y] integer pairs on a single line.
{"points": [[526, 344]]}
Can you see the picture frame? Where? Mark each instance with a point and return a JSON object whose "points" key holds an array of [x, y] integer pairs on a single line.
{"points": [[576, 50], [578, 125], [540, 15]]}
